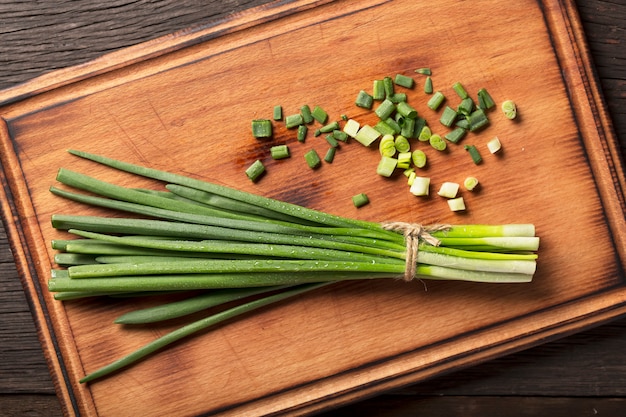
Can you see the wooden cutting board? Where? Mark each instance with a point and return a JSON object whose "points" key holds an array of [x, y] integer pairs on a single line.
{"points": [[184, 103]]}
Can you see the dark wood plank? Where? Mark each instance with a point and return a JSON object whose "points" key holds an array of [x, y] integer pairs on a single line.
{"points": [[579, 375]]}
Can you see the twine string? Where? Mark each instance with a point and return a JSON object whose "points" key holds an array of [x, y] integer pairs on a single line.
{"points": [[414, 234]]}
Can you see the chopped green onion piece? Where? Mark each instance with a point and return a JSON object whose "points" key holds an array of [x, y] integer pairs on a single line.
{"points": [[386, 166], [407, 172], [470, 183], [485, 101], [332, 141], [367, 135], [425, 134], [402, 144], [436, 100], [420, 122], [330, 155], [509, 109], [279, 152], [351, 127], [478, 119], [360, 200], [391, 122], [456, 204], [386, 146], [319, 114], [398, 98], [378, 92], [473, 151], [460, 90], [262, 128], [388, 85], [428, 85], [344, 117], [385, 109], [312, 159], [466, 107], [302, 132], [448, 116], [448, 189], [255, 170], [406, 110], [420, 186], [404, 81], [404, 160], [437, 142], [408, 127], [329, 127], [364, 100], [384, 128], [305, 111], [317, 132], [423, 71], [456, 134], [463, 123], [293, 120], [411, 178], [494, 145], [278, 113], [340, 135], [419, 158]]}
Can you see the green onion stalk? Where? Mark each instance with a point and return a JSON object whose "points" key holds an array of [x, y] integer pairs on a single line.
{"points": [[212, 245]]}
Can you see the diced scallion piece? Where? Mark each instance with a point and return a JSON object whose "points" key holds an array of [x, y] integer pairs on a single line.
{"points": [[364, 100], [448, 189], [419, 158], [404, 81], [255, 170], [406, 110], [425, 134], [437, 142], [385, 109], [386, 166], [279, 152], [340, 135], [305, 111], [456, 134], [460, 90], [360, 200], [466, 107], [391, 122], [485, 101], [473, 151], [278, 113], [447, 116], [293, 120], [329, 127], [351, 127], [262, 128], [470, 183], [398, 97], [332, 141], [312, 159], [330, 155], [388, 85], [402, 144], [424, 71], [404, 160], [428, 85], [494, 145], [411, 177], [456, 204], [408, 128], [319, 114], [420, 186], [436, 100], [378, 91], [367, 135], [386, 146], [302, 132], [384, 128], [477, 120], [420, 122], [509, 109]]}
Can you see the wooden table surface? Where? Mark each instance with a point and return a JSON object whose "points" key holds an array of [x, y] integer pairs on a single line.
{"points": [[581, 375]]}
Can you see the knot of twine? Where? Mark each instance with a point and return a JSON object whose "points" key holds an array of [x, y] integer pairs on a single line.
{"points": [[414, 234]]}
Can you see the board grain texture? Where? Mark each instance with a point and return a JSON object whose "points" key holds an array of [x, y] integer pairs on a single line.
{"points": [[143, 105]]}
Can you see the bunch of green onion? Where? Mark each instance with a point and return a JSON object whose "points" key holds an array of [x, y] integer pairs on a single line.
{"points": [[218, 244]]}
